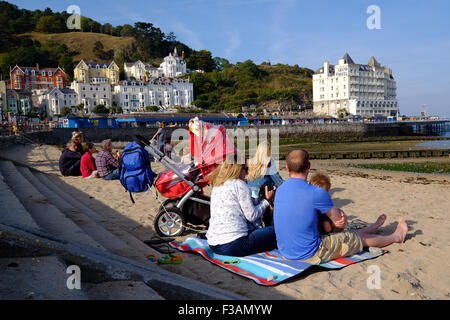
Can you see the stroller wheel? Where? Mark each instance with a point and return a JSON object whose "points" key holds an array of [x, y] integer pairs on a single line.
{"points": [[170, 222]]}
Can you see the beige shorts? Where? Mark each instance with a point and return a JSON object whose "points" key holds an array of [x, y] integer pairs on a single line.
{"points": [[336, 245]]}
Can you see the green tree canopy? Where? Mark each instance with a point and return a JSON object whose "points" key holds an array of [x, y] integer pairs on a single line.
{"points": [[152, 108], [101, 109], [201, 60], [65, 111]]}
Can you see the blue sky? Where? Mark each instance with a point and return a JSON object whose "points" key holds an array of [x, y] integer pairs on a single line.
{"points": [[414, 39]]}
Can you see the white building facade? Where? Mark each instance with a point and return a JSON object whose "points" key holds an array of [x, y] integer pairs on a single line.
{"points": [[165, 94], [92, 95], [52, 101], [356, 89], [140, 71], [173, 66]]}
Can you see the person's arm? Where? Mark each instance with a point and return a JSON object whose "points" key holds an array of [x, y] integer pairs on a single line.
{"points": [[338, 217], [111, 161], [251, 212], [157, 133]]}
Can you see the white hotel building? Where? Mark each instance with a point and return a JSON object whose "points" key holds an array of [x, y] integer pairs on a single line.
{"points": [[92, 95], [163, 93], [364, 90]]}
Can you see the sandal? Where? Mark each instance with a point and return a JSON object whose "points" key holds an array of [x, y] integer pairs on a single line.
{"points": [[162, 248], [171, 259], [158, 240], [152, 258]]}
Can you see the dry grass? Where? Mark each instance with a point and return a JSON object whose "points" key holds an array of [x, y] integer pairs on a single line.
{"points": [[83, 42]]}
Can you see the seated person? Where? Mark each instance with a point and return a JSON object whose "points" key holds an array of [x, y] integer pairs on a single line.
{"points": [[108, 165], [70, 160], [325, 223], [262, 172], [296, 220], [78, 139], [87, 166], [231, 230]]}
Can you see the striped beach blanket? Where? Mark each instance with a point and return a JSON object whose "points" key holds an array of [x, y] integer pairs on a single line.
{"points": [[267, 268]]}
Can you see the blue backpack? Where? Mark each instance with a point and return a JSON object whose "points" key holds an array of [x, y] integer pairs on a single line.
{"points": [[136, 174]]}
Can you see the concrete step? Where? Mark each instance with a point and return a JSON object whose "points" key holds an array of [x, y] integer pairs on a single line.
{"points": [[138, 250], [100, 266], [45, 278], [85, 222], [40, 278], [46, 215], [120, 290], [12, 210]]}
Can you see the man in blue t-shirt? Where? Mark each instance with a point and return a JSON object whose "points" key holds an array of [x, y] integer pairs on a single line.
{"points": [[296, 209]]}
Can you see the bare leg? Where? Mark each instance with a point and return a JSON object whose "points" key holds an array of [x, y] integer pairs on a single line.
{"points": [[374, 226], [372, 240]]}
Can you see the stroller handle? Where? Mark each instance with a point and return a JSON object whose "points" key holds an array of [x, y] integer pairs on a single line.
{"points": [[156, 153]]}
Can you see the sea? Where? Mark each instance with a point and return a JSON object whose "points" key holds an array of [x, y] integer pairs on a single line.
{"points": [[439, 144]]}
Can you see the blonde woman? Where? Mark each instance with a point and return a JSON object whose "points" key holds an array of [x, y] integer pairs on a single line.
{"points": [[231, 230], [78, 139], [262, 171]]}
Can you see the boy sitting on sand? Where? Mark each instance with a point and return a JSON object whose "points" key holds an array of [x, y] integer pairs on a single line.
{"points": [[325, 224]]}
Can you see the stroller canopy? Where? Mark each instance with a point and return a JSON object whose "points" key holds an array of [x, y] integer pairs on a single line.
{"points": [[209, 147], [208, 143]]}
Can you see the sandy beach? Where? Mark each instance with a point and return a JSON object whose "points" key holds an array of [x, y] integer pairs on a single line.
{"points": [[416, 269]]}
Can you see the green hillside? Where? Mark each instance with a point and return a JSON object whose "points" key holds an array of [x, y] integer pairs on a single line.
{"points": [[246, 84]]}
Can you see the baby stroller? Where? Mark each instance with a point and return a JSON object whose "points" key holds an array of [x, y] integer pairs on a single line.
{"points": [[183, 183]]}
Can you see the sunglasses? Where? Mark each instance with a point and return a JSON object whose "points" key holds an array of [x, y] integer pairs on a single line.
{"points": [[231, 262]]}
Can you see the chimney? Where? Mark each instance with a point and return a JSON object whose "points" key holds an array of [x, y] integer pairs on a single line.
{"points": [[326, 67], [182, 54], [37, 66]]}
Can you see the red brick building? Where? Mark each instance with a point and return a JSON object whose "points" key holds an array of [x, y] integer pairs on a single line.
{"points": [[34, 78]]}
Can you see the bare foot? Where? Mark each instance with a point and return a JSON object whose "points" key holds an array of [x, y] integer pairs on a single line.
{"points": [[401, 231], [380, 221], [375, 226]]}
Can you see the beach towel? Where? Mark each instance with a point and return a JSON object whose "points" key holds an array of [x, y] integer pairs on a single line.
{"points": [[267, 268]]}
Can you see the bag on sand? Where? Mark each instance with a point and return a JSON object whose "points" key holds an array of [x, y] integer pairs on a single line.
{"points": [[136, 174]]}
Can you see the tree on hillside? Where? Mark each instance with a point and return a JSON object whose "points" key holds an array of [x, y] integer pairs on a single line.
{"points": [[98, 49], [221, 63], [89, 25], [127, 31], [51, 24], [100, 53], [107, 28], [201, 60]]}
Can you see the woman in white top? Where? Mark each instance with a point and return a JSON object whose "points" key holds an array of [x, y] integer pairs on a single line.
{"points": [[231, 226]]}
